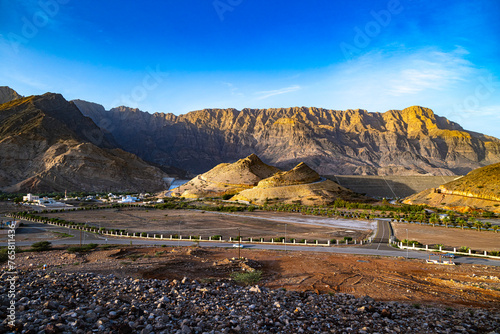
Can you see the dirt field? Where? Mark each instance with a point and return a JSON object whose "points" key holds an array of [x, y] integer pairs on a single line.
{"points": [[451, 237], [256, 224], [386, 279]]}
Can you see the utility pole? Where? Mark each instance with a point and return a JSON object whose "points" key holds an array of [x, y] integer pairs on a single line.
{"points": [[179, 236], [285, 238], [239, 243], [407, 244]]}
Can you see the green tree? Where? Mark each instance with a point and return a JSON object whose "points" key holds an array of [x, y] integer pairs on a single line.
{"points": [[434, 219], [478, 224]]}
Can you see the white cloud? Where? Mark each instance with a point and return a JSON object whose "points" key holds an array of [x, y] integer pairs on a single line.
{"points": [[270, 93]]}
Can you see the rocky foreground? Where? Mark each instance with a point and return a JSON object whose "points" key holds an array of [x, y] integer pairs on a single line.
{"points": [[51, 302]]}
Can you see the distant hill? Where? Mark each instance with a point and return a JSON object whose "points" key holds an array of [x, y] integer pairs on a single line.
{"points": [[251, 180], [227, 179], [480, 189], [46, 144], [412, 141]]}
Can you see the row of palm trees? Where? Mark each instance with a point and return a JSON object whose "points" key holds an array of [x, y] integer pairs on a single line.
{"points": [[470, 223]]}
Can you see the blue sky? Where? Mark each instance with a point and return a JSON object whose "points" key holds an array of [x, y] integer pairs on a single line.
{"points": [[179, 56]]}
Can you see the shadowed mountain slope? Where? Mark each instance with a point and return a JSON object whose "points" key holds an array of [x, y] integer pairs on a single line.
{"points": [[412, 141], [46, 144]]}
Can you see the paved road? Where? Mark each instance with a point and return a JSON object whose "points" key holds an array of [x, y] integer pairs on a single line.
{"points": [[381, 239], [378, 249]]}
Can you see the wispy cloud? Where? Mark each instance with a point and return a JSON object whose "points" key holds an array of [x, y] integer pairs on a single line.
{"points": [[233, 89], [269, 93], [437, 71]]}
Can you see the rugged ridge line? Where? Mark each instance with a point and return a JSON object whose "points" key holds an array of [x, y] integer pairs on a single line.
{"points": [[411, 141]]}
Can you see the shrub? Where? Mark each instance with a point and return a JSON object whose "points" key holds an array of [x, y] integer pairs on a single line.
{"points": [[84, 248], [347, 238], [463, 249], [250, 278], [41, 246]]}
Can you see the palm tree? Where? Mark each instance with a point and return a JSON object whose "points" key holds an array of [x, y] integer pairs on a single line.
{"points": [[461, 222], [487, 225], [434, 219], [495, 228], [446, 221], [478, 224]]}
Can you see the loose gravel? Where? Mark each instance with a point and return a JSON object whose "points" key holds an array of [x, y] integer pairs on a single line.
{"points": [[53, 302]]}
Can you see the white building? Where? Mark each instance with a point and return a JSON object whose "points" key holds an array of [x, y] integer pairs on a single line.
{"points": [[30, 198], [128, 199]]}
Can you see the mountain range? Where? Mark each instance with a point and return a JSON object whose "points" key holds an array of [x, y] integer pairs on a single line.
{"points": [[412, 141], [47, 145], [50, 144]]}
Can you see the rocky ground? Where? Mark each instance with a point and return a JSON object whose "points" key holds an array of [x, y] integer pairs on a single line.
{"points": [[55, 302]]}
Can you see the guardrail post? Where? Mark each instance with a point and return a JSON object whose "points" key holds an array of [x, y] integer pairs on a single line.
{"points": [[251, 239], [426, 247], [328, 243], [305, 242], [147, 235], [470, 251], [440, 248], [230, 239], [162, 236], [209, 238], [337, 241], [485, 253], [454, 250]]}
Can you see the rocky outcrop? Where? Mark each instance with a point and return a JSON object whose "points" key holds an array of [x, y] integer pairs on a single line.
{"points": [[411, 141], [227, 179], [46, 144], [301, 174], [253, 181]]}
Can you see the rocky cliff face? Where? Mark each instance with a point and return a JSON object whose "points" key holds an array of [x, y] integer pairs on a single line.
{"points": [[405, 142], [46, 144]]}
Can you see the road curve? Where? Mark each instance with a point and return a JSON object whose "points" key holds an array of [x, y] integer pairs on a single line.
{"points": [[375, 249]]}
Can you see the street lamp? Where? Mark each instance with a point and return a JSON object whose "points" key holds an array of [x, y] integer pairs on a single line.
{"points": [[239, 243], [179, 236], [285, 237], [407, 244]]}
